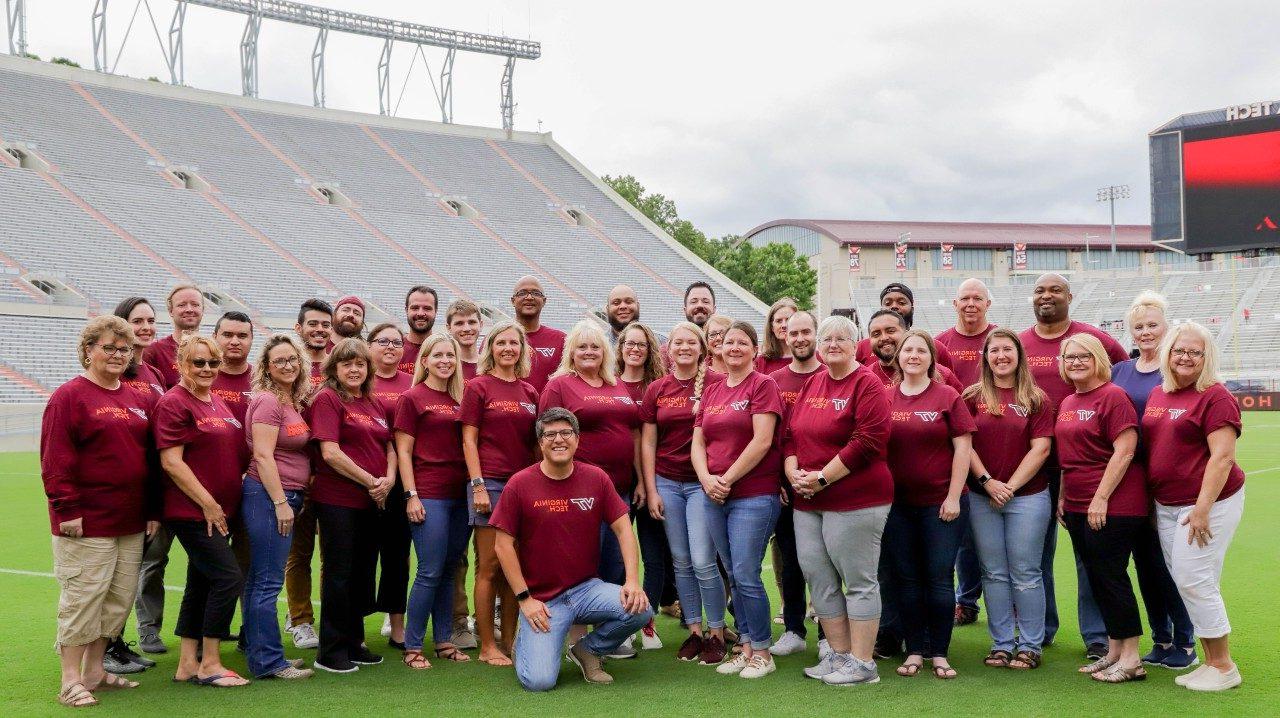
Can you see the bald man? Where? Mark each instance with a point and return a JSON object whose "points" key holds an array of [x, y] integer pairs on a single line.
{"points": [[964, 341], [546, 343], [621, 308]]}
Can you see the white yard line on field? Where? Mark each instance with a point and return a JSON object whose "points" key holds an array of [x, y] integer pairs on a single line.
{"points": [[45, 574], [1262, 471]]}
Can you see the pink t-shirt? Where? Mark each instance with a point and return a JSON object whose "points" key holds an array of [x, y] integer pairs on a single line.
{"points": [[966, 353], [388, 391], [292, 453], [1175, 431], [556, 525], [208, 433], [668, 405], [504, 412], [1085, 431], [162, 355], [546, 346], [606, 417], [725, 417], [362, 432], [434, 420], [920, 450], [1002, 441], [848, 418]]}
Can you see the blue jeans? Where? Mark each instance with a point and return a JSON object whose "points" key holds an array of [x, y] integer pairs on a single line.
{"points": [[440, 541], [922, 550], [1010, 542], [740, 529], [693, 555], [268, 551], [969, 583], [592, 602], [610, 567]]}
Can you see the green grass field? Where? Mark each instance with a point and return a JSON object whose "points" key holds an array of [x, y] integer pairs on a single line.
{"points": [[656, 684]]}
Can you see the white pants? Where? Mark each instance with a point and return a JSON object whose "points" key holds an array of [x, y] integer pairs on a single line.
{"points": [[1197, 570]]}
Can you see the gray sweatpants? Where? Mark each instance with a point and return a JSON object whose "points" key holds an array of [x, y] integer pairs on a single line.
{"points": [[839, 554]]}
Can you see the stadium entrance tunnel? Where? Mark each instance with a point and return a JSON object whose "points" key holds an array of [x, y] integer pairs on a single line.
{"points": [[580, 217], [460, 206], [189, 177], [25, 155], [332, 194]]}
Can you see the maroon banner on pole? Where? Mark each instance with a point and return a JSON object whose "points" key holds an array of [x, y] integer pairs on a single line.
{"points": [[855, 259], [948, 263], [1020, 255], [900, 256]]}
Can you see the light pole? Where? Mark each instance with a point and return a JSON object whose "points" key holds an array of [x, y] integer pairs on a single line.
{"points": [[1110, 194]]}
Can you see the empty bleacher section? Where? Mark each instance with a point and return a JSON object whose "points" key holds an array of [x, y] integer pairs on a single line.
{"points": [[288, 202]]}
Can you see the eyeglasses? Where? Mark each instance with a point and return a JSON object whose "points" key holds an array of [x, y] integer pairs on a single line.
{"points": [[559, 434], [716, 334], [202, 363], [114, 349], [1077, 358], [285, 361], [397, 343], [529, 293], [1187, 353], [635, 345], [836, 340]]}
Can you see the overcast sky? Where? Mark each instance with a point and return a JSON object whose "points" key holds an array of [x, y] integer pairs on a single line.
{"points": [[745, 112]]}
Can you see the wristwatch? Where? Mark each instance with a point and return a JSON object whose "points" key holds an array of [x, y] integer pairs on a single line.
{"points": [[477, 483], [411, 493], [984, 479], [822, 480], [520, 597]]}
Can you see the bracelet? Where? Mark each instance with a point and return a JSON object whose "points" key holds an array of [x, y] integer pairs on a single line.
{"points": [[281, 501]]}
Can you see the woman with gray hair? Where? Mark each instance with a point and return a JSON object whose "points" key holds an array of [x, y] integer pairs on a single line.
{"points": [[834, 448], [1191, 425]]}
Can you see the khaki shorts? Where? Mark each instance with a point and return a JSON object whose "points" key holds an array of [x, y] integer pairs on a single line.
{"points": [[99, 578]]}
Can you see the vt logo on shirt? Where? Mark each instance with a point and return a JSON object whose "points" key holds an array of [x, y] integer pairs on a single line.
{"points": [[548, 352], [381, 422], [741, 405], [1175, 413], [1085, 414], [625, 400], [928, 416], [531, 408], [140, 413], [1020, 410], [584, 504], [839, 404], [234, 422]]}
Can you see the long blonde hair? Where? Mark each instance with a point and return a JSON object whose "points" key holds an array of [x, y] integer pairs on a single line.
{"points": [[1208, 370], [772, 346], [262, 381], [1025, 392], [700, 376], [653, 366], [583, 331], [455, 383], [486, 363]]}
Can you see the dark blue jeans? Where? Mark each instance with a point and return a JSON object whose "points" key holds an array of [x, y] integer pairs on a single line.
{"points": [[268, 551], [655, 556], [968, 568], [922, 550], [440, 541], [1167, 615], [791, 583]]}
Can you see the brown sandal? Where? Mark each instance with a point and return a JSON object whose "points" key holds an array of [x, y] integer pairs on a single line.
{"points": [[1117, 674], [75, 695], [112, 682], [909, 670], [415, 660], [1029, 660], [998, 659], [450, 652], [1101, 664], [945, 673]]}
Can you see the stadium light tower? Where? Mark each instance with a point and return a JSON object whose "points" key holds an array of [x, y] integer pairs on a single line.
{"points": [[1110, 194], [16, 17]]}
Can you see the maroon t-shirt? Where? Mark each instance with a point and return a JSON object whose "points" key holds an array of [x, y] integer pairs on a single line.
{"points": [[769, 366], [1002, 441], [1175, 432], [95, 447], [1085, 431], [293, 437], [361, 430], [546, 346], [890, 380], [966, 353], [388, 391], [606, 417], [434, 420], [317, 374], [863, 354], [146, 380], [410, 358], [920, 450], [469, 370], [789, 383], [725, 416], [668, 404], [235, 390], [635, 390], [504, 412], [209, 433], [556, 525], [848, 418], [162, 355], [1042, 358]]}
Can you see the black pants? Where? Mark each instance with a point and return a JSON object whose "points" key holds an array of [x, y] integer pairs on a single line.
{"points": [[214, 582], [393, 554], [1166, 613], [790, 578], [1105, 554], [349, 551]]}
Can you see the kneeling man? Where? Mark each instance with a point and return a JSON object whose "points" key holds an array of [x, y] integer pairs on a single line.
{"points": [[548, 543]]}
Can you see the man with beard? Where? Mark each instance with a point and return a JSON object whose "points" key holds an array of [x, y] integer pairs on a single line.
{"points": [[622, 308], [186, 311], [1051, 302], [884, 333], [420, 309], [965, 341], [897, 297], [699, 303], [546, 343], [315, 329], [802, 330], [348, 317]]}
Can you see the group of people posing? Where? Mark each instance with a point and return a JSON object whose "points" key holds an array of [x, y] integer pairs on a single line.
{"points": [[545, 448]]}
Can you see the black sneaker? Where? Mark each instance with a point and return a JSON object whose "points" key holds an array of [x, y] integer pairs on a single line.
{"points": [[337, 667], [120, 667], [965, 615], [887, 646], [124, 651], [1095, 651], [365, 657]]}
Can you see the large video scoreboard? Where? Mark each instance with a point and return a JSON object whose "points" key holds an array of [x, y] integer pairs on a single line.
{"points": [[1215, 180]]}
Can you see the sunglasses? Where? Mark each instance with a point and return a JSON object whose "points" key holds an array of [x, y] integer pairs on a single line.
{"points": [[202, 363]]}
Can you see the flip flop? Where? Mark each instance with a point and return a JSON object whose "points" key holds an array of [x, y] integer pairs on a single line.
{"points": [[213, 680]]}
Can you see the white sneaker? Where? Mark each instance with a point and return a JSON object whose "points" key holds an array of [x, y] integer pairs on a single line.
{"points": [[1183, 679], [824, 648], [649, 639], [826, 665], [758, 667], [788, 643], [386, 626], [1212, 679], [733, 666], [852, 672], [304, 636]]}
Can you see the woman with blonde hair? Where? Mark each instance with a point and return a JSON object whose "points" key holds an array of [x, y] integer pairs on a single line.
{"points": [[428, 430], [1191, 426], [1104, 496], [1010, 508], [498, 411], [774, 352], [95, 442], [274, 487]]}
